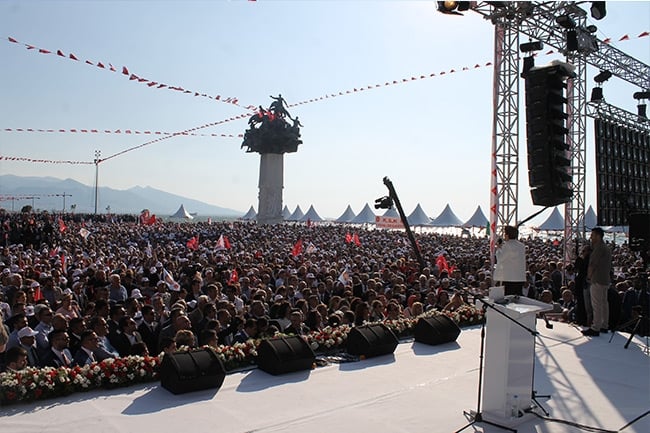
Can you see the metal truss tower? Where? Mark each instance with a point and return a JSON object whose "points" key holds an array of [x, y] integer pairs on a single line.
{"points": [[537, 20]]}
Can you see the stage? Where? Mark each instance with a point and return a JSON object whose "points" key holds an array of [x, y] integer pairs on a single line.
{"points": [[417, 389]]}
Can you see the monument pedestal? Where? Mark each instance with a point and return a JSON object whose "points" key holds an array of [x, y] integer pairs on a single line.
{"points": [[509, 359], [270, 188]]}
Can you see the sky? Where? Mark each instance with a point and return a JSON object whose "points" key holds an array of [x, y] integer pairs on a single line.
{"points": [[431, 136]]}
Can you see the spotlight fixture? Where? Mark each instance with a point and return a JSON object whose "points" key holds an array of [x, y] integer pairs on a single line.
{"points": [[385, 202], [597, 94], [603, 76], [531, 46], [598, 10], [642, 95], [566, 22], [452, 7]]}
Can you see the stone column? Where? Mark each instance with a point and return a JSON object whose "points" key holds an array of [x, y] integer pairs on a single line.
{"points": [[270, 186]]}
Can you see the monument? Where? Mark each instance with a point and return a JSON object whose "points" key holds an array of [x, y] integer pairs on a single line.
{"points": [[270, 135]]}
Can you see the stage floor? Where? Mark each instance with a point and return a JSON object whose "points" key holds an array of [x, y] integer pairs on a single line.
{"points": [[417, 389]]}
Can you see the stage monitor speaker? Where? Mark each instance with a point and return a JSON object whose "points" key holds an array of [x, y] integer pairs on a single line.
{"points": [[371, 340], [194, 370], [285, 355], [639, 231], [436, 330]]}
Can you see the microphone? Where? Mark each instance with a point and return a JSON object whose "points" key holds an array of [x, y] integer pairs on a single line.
{"points": [[549, 325]]}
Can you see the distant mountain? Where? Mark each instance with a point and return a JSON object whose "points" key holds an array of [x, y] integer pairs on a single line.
{"points": [[48, 193]]}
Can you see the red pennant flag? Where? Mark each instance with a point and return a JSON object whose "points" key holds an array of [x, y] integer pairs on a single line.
{"points": [[356, 240], [624, 38], [193, 243], [234, 277], [100, 65], [60, 53], [62, 226], [643, 34], [125, 71], [44, 51], [297, 248], [12, 40], [73, 57], [348, 238]]}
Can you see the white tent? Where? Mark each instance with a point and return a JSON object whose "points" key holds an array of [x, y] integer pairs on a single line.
{"points": [[366, 216], [311, 215], [477, 220], [391, 213], [286, 213], [182, 213], [418, 217], [554, 222], [347, 216], [591, 220], [296, 215], [447, 218], [251, 215]]}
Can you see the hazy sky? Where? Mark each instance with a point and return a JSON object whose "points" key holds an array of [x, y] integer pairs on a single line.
{"points": [[431, 136]]}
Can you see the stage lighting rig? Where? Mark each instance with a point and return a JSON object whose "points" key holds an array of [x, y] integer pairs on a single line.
{"points": [[597, 92], [642, 106], [603, 76], [529, 61], [452, 7], [598, 10]]}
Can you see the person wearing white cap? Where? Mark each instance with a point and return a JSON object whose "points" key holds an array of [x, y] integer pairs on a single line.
{"points": [[27, 339]]}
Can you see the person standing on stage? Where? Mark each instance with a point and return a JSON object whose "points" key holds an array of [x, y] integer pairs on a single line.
{"points": [[598, 275], [510, 269]]}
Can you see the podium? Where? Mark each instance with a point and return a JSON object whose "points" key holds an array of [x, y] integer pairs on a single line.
{"points": [[509, 359]]}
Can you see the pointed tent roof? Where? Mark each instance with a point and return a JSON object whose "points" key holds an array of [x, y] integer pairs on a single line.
{"points": [[286, 213], [554, 222], [296, 215], [366, 216], [250, 215], [447, 218], [477, 220], [590, 220], [347, 216], [418, 217], [311, 215], [392, 213], [182, 213]]}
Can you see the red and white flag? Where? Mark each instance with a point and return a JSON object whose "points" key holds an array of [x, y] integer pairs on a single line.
{"points": [[297, 248]]}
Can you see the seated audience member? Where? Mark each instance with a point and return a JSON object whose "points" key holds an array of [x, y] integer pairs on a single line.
{"points": [[59, 355], [15, 359], [208, 337], [86, 353], [185, 337], [248, 331]]}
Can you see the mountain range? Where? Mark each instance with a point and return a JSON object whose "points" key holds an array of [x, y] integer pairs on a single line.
{"points": [[52, 194]]}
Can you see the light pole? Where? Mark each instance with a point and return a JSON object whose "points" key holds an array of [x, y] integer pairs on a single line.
{"points": [[97, 160]]}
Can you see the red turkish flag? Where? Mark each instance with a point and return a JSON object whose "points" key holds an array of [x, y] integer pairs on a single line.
{"points": [[234, 277], [356, 240], [297, 248], [226, 242], [348, 238]]}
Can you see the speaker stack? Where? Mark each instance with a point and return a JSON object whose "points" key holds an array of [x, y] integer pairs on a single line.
{"points": [[371, 340], [436, 330], [195, 370], [285, 355]]}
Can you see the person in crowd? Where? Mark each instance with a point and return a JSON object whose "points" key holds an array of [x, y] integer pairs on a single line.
{"points": [[598, 275], [86, 353], [59, 354], [248, 331], [149, 329], [510, 269], [16, 359]]}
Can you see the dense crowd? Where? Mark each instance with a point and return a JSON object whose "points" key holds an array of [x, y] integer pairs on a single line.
{"points": [[76, 289]]}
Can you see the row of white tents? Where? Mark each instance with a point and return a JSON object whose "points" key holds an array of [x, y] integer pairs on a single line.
{"points": [[418, 218]]}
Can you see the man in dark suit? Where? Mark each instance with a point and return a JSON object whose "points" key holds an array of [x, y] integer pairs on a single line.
{"points": [[89, 343], [248, 331], [149, 329], [59, 355], [126, 336]]}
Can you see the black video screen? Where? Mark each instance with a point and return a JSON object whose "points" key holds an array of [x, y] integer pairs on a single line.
{"points": [[622, 172]]}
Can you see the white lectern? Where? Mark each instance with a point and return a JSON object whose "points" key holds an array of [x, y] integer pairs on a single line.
{"points": [[509, 358]]}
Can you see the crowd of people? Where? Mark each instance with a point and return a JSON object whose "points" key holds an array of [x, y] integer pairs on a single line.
{"points": [[76, 289]]}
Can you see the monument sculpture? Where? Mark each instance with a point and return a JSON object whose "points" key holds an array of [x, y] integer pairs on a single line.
{"points": [[271, 135]]}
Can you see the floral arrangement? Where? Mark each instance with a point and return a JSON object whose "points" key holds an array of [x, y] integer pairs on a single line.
{"points": [[37, 384]]}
